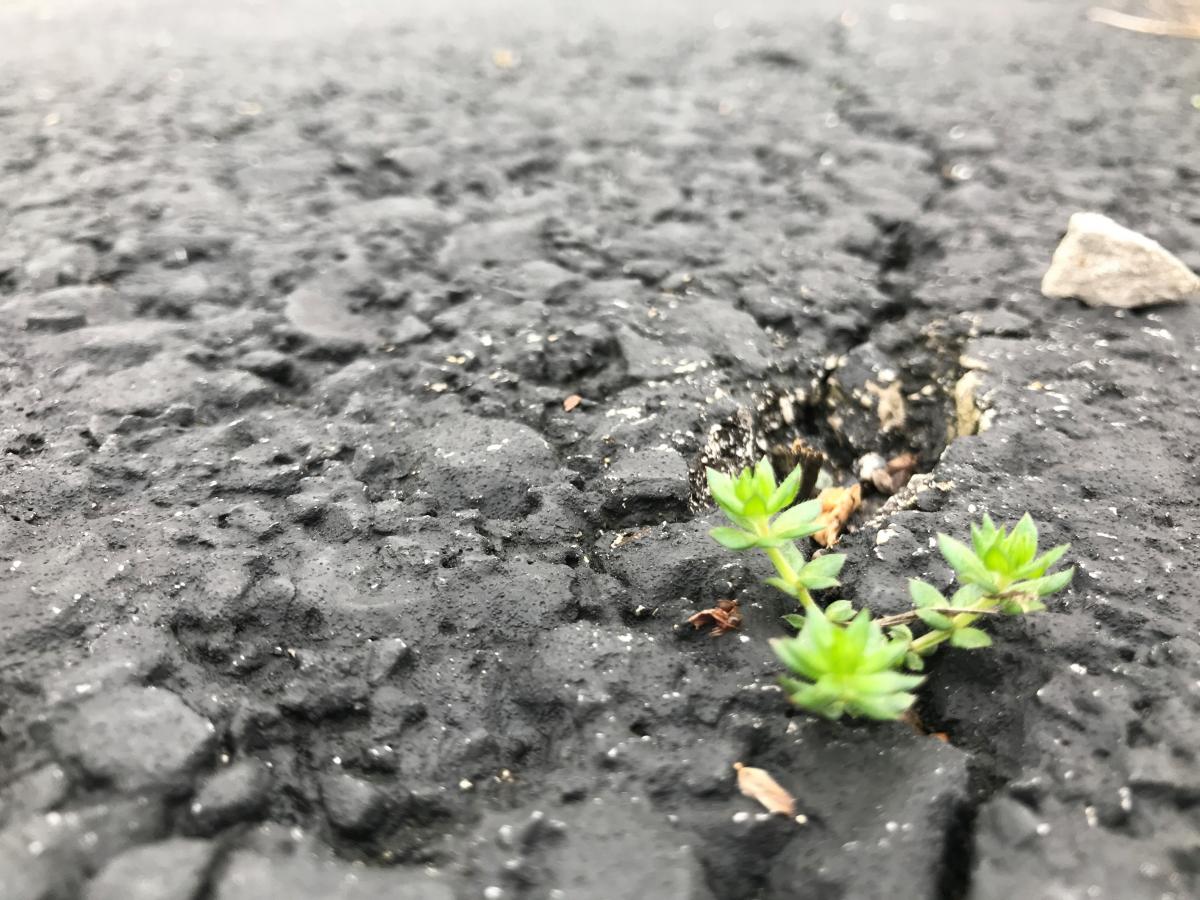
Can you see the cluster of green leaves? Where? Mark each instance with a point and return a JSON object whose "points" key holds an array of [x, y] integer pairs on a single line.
{"points": [[759, 508], [851, 669], [851, 663]]}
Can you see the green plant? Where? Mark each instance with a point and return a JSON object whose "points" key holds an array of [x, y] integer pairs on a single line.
{"points": [[851, 663]]}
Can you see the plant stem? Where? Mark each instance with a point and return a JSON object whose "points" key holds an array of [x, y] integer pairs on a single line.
{"points": [[911, 616], [983, 607], [788, 574]]}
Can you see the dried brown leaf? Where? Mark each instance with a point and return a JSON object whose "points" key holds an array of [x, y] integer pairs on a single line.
{"points": [[723, 617], [758, 785], [838, 504]]}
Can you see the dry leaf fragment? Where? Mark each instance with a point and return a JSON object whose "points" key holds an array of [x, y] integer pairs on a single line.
{"points": [[838, 504], [895, 474], [503, 58], [890, 406], [571, 402], [1143, 24], [725, 616], [758, 785]]}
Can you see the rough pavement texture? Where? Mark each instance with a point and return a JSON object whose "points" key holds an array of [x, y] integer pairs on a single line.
{"points": [[303, 564]]}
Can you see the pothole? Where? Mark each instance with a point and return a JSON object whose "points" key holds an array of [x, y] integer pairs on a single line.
{"points": [[872, 418]]}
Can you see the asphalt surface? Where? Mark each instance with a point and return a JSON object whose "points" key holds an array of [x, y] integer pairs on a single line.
{"points": [[312, 585]]}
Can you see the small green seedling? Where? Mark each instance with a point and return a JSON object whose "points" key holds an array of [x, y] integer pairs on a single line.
{"points": [[850, 663]]}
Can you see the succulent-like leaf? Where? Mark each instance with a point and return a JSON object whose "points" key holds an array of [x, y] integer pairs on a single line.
{"points": [[1021, 544], [970, 638], [935, 620], [965, 563], [733, 538], [839, 611], [754, 507], [795, 620], [784, 585], [925, 594], [783, 495], [721, 487], [764, 479], [1038, 567], [797, 522], [966, 596], [884, 707], [846, 670], [914, 662], [1046, 585], [984, 535]]}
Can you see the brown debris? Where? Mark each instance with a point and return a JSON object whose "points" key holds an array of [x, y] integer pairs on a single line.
{"points": [[895, 474], [571, 402], [725, 616], [785, 458], [758, 785], [1184, 27], [838, 504], [890, 406]]}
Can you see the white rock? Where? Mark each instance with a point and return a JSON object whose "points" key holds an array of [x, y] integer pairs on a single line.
{"points": [[1105, 264]]}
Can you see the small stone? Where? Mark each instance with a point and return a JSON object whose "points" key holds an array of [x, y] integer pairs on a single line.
{"points": [[39, 790], [648, 486], [268, 364], [410, 330], [253, 876], [388, 517], [49, 856], [1105, 264], [386, 656], [55, 320], [869, 464], [137, 738], [320, 314], [169, 870], [353, 805], [233, 794]]}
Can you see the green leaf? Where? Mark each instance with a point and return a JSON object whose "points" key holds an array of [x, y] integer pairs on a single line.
{"points": [[1047, 585], [1021, 545], [962, 560], [764, 479], [792, 556], [822, 571], [795, 620], [754, 507], [798, 521], [786, 492], [789, 652], [1039, 566], [984, 535], [966, 596], [925, 594], [884, 707], [723, 493], [733, 538], [901, 633], [914, 662], [935, 620], [970, 639], [886, 682], [828, 564], [786, 586], [1011, 607], [839, 611]]}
